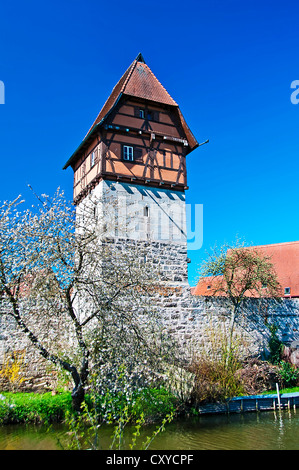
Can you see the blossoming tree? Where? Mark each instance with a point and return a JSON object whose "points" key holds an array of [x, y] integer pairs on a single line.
{"points": [[83, 303]]}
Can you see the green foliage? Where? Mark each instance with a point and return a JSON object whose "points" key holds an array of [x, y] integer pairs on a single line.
{"points": [[33, 407], [289, 374], [168, 418], [275, 345], [288, 390], [153, 403], [85, 427]]}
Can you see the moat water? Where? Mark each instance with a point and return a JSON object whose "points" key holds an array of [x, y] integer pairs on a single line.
{"points": [[249, 431]]}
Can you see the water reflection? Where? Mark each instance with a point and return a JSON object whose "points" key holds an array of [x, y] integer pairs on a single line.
{"points": [[251, 431]]}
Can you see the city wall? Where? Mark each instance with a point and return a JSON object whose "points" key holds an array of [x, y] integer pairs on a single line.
{"points": [[190, 320]]}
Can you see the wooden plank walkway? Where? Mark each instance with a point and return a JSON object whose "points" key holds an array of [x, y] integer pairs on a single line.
{"points": [[253, 403]]}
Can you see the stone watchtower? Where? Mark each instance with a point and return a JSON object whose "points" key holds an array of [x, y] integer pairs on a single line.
{"points": [[135, 152]]}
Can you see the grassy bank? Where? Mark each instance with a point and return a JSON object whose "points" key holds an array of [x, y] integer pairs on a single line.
{"points": [[283, 390], [154, 404], [34, 407]]}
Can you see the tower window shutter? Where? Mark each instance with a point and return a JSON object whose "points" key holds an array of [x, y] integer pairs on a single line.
{"points": [[155, 115], [136, 111], [137, 153], [152, 115]]}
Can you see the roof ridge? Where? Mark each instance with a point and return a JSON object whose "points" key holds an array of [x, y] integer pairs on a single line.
{"points": [[132, 67], [161, 84], [97, 119], [275, 244]]}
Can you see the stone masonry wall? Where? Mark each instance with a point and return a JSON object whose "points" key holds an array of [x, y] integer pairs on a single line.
{"points": [[167, 260], [188, 319], [36, 373], [191, 319]]}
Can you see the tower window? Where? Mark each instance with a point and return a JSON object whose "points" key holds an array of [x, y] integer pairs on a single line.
{"points": [[92, 159], [139, 112], [152, 115], [128, 153], [287, 291], [146, 211]]}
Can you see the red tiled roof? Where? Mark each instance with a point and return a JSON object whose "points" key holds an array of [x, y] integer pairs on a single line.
{"points": [[285, 259], [142, 83], [138, 81], [112, 98], [204, 287]]}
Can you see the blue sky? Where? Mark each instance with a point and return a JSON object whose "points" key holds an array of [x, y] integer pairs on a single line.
{"points": [[229, 65]]}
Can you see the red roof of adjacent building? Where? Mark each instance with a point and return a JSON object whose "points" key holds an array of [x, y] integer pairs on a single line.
{"points": [[204, 286], [285, 259]]}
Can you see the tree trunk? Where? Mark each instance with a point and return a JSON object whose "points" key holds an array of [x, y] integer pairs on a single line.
{"points": [[78, 394], [231, 332], [80, 381]]}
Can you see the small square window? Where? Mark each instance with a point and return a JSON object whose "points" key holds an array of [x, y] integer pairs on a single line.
{"points": [[128, 153], [287, 291]]}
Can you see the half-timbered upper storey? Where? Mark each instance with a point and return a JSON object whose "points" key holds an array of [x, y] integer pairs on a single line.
{"points": [[140, 136]]}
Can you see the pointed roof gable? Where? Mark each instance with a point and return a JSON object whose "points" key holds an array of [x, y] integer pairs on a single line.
{"points": [[138, 81], [142, 83]]}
